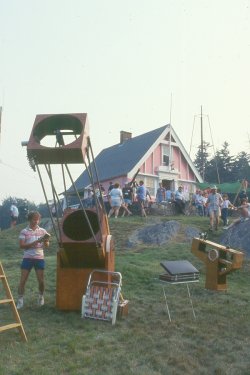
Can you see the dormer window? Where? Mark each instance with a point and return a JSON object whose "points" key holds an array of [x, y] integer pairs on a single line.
{"points": [[165, 159], [165, 155]]}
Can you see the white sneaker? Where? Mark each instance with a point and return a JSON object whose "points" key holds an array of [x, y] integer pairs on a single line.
{"points": [[19, 303], [40, 300]]}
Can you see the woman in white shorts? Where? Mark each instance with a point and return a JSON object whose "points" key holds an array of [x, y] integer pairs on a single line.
{"points": [[115, 200]]}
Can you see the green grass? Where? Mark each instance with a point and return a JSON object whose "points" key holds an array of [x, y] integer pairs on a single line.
{"points": [[145, 342]]}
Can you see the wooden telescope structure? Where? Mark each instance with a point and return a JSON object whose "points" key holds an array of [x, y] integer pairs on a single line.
{"points": [[219, 262], [83, 235]]}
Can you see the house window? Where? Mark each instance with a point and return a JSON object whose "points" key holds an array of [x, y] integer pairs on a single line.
{"points": [[165, 159], [165, 155]]}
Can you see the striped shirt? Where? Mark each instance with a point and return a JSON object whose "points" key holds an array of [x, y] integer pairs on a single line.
{"points": [[29, 235]]}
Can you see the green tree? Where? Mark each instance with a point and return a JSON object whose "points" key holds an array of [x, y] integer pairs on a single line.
{"points": [[201, 161], [225, 164], [241, 166], [220, 167], [23, 205]]}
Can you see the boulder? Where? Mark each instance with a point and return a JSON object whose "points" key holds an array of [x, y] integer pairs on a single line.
{"points": [[160, 233], [238, 237]]}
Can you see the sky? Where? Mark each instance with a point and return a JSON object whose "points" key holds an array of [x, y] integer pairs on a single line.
{"points": [[131, 65]]}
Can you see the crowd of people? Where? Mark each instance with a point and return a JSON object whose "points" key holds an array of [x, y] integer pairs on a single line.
{"points": [[218, 207], [123, 198], [211, 203]]}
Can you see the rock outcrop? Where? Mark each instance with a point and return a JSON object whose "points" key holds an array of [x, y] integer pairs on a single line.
{"points": [[238, 237], [161, 233]]}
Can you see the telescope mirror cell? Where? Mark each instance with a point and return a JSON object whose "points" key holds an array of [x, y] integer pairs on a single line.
{"points": [[76, 227]]}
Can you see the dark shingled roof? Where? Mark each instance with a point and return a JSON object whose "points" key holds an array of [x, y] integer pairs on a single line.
{"points": [[120, 159]]}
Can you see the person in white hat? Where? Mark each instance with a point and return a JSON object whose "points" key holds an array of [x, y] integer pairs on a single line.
{"points": [[214, 201]]}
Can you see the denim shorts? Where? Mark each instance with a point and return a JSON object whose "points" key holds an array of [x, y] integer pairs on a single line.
{"points": [[142, 202], [128, 201], [29, 263]]}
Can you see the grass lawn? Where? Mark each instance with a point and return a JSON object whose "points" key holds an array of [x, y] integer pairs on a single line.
{"points": [[143, 343]]}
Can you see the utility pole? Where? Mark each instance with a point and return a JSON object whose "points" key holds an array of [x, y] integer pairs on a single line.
{"points": [[1, 108], [170, 133], [202, 149]]}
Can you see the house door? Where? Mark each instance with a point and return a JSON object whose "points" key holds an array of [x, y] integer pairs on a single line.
{"points": [[168, 184]]}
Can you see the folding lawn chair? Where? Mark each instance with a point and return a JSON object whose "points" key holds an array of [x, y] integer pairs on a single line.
{"points": [[102, 295]]}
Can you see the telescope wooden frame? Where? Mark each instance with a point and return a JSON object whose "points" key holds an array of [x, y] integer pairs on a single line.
{"points": [[84, 240], [80, 252], [58, 126], [72, 281], [219, 261]]}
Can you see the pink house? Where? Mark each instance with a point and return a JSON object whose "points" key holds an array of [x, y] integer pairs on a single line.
{"points": [[155, 156]]}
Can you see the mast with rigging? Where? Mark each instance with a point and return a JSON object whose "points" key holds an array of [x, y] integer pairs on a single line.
{"points": [[201, 147]]}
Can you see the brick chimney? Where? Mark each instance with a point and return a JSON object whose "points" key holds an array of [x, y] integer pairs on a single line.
{"points": [[124, 136]]}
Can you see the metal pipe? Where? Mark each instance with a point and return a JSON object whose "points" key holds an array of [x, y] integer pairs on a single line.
{"points": [[47, 202], [83, 209]]}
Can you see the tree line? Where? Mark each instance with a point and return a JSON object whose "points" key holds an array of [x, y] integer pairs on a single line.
{"points": [[24, 206], [222, 167]]}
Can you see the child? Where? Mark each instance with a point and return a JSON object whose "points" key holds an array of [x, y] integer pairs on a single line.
{"points": [[225, 205]]}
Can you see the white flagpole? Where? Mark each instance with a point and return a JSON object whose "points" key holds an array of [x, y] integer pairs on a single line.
{"points": [[170, 124], [1, 109]]}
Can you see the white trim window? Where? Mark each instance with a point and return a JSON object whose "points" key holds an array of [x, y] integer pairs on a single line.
{"points": [[165, 155]]}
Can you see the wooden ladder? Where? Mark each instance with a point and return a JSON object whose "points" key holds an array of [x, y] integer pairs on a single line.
{"points": [[10, 300]]}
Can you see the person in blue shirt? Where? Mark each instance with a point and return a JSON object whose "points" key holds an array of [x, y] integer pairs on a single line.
{"points": [[142, 193]]}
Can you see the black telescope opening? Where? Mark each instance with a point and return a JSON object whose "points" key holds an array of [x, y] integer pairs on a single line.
{"points": [[76, 226], [56, 123]]}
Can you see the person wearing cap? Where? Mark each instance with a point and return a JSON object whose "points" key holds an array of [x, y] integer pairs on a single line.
{"points": [[214, 202], [179, 200]]}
